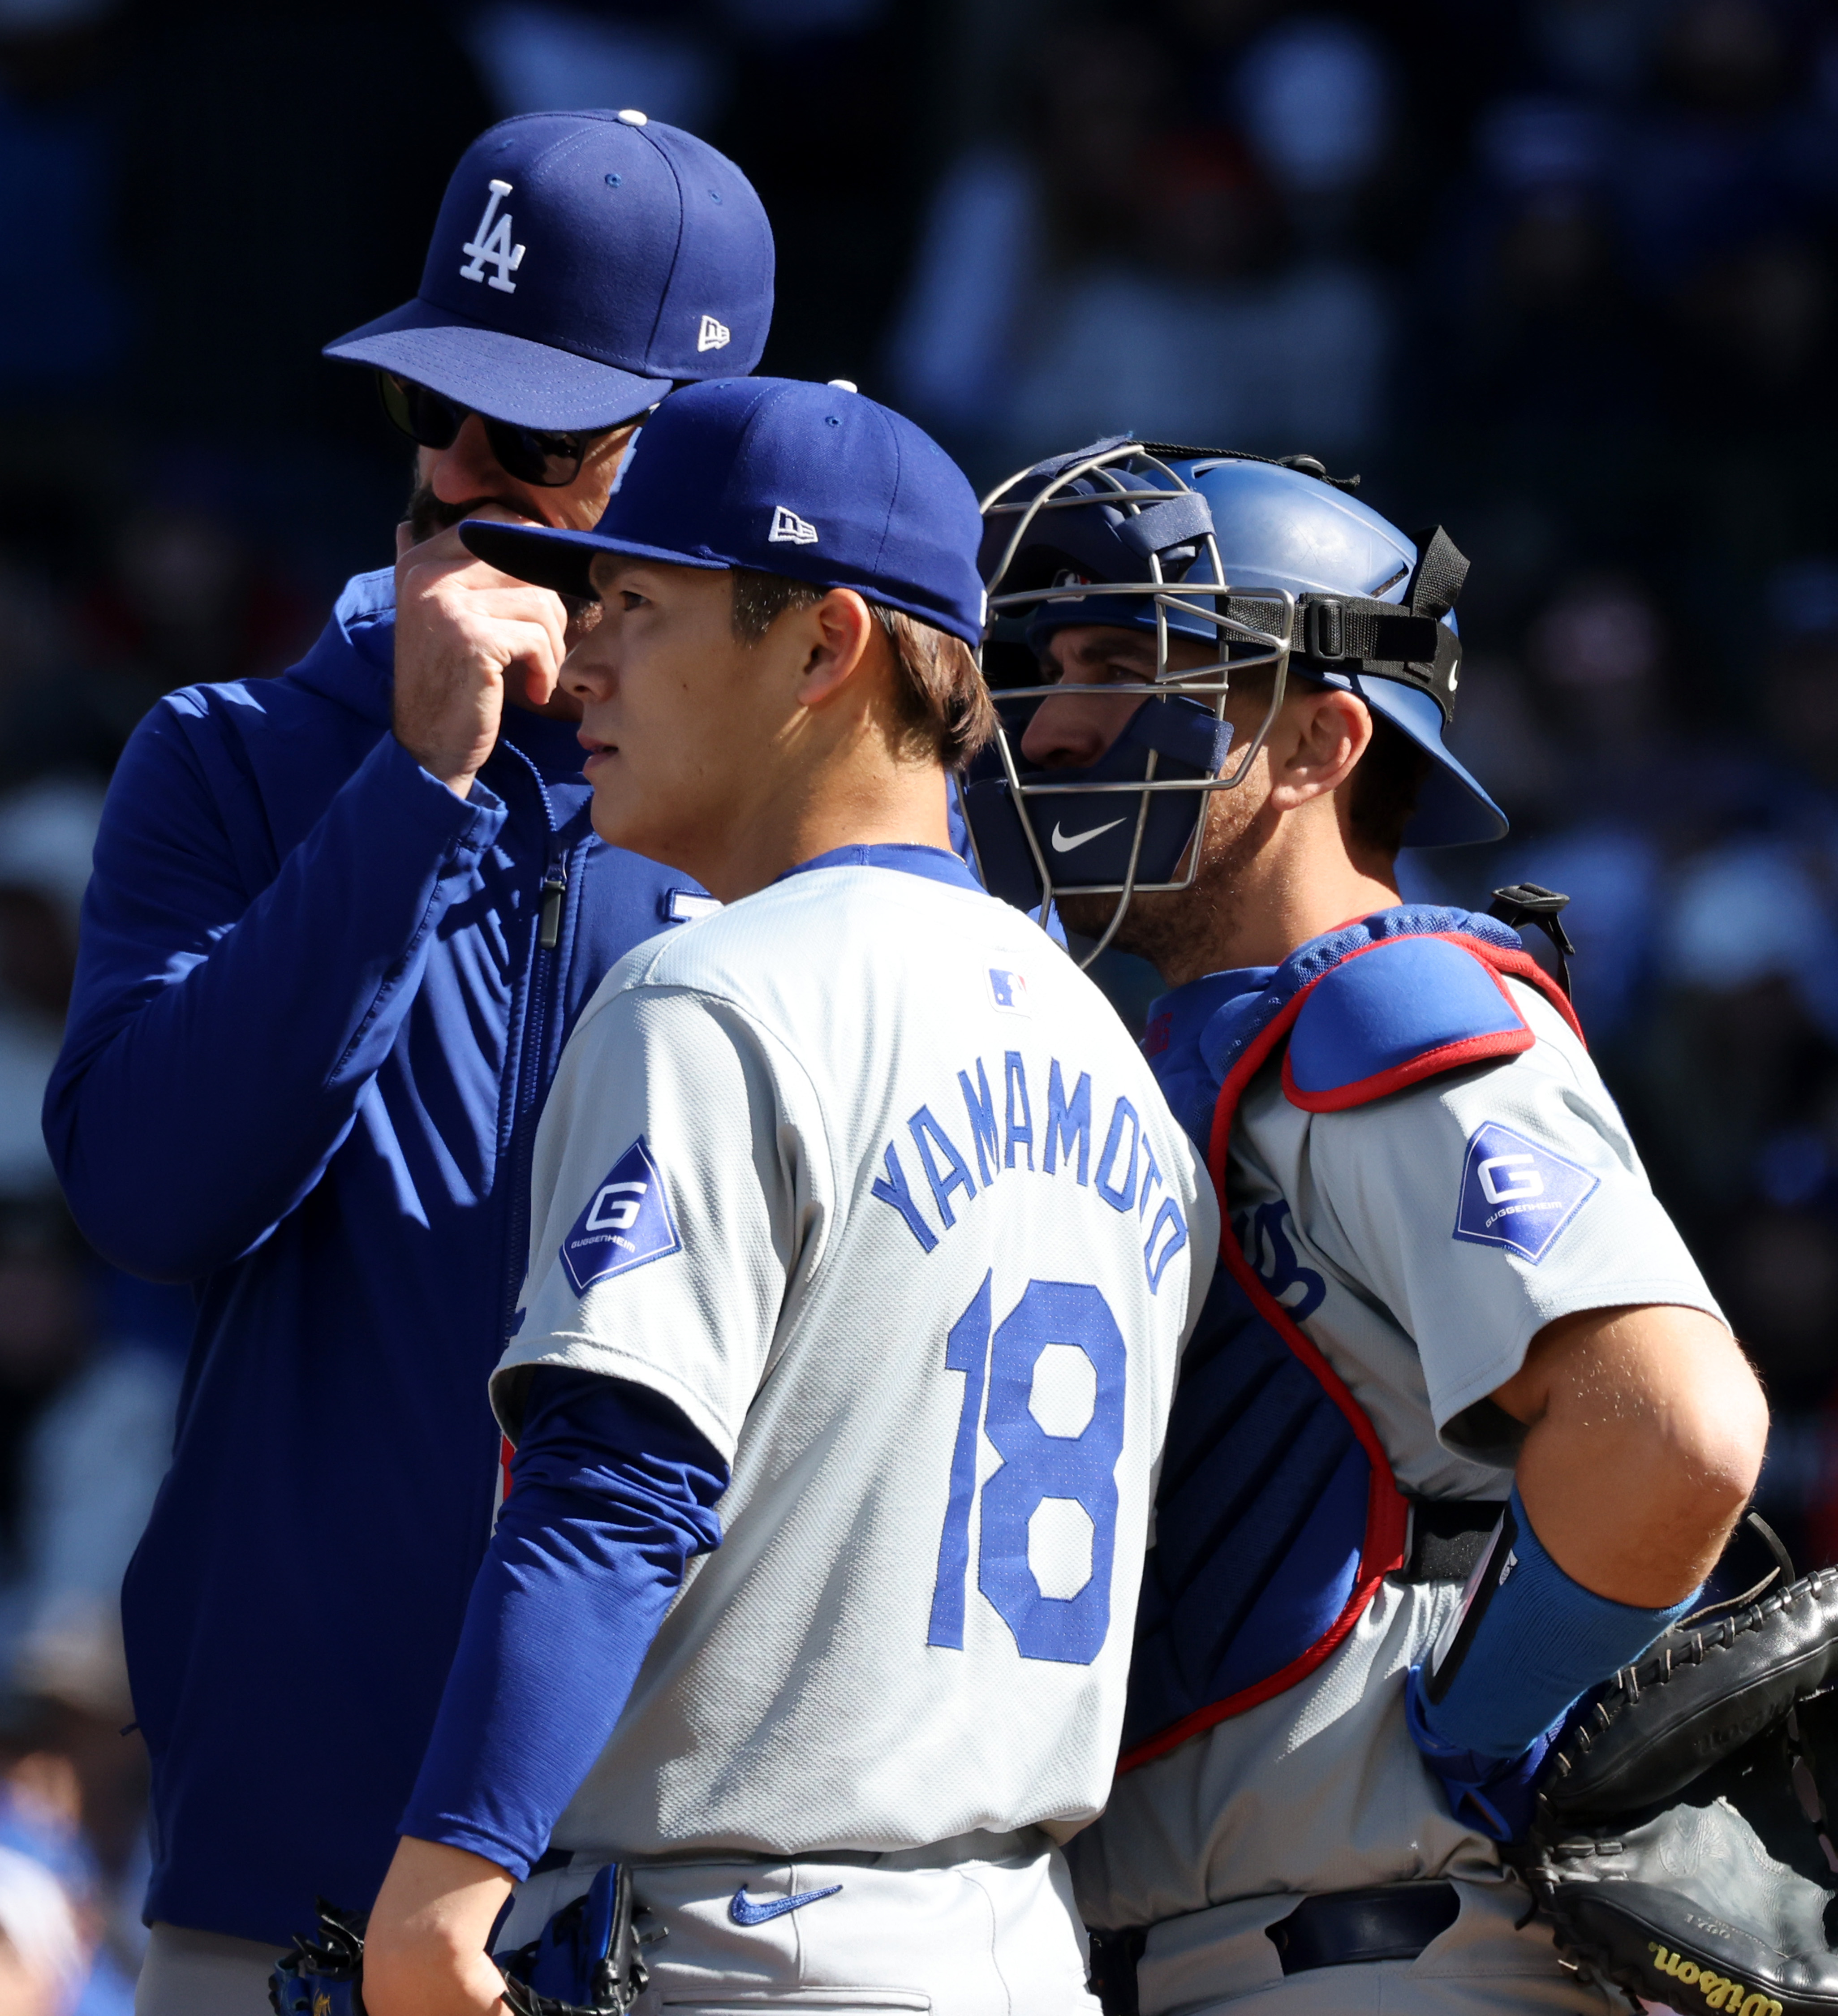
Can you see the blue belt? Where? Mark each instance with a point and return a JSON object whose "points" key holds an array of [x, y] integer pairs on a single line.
{"points": [[1339, 1928], [1345, 1927]]}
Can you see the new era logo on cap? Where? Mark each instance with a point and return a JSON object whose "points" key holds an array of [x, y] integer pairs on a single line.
{"points": [[713, 335], [789, 529]]}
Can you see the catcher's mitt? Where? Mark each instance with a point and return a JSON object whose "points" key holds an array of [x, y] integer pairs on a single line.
{"points": [[1681, 1844]]}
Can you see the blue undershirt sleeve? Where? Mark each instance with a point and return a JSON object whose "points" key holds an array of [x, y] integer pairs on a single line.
{"points": [[612, 1493], [1526, 1645]]}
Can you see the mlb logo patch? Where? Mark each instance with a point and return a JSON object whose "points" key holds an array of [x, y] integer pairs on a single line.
{"points": [[627, 1221], [1517, 1194], [1008, 991]]}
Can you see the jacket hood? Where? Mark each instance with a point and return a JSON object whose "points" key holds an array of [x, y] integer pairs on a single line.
{"points": [[354, 660]]}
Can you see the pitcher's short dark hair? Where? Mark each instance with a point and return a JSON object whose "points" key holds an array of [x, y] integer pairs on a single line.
{"points": [[943, 703]]}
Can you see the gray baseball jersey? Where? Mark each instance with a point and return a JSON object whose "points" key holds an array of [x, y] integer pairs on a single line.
{"points": [[1422, 1242], [865, 1177]]}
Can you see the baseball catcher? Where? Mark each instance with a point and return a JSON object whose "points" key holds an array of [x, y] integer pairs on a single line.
{"points": [[1461, 1431]]}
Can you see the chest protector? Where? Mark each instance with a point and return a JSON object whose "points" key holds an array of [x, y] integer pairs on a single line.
{"points": [[1278, 1515]]}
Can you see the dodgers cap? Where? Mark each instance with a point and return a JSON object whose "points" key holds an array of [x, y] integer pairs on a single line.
{"points": [[787, 477], [583, 263]]}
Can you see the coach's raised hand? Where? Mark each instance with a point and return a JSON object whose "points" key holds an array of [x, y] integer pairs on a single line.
{"points": [[467, 638]]}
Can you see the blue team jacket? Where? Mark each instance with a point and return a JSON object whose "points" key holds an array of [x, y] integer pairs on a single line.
{"points": [[312, 1028]]}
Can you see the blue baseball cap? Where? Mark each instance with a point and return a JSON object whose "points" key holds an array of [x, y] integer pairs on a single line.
{"points": [[786, 477], [583, 263]]}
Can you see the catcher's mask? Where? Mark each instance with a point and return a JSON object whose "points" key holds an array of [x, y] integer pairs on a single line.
{"points": [[1262, 564]]}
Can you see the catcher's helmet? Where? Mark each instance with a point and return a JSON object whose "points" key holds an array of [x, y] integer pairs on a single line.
{"points": [[1271, 563]]}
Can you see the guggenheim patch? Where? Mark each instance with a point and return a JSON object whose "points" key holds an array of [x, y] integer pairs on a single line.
{"points": [[627, 1221], [1516, 1193]]}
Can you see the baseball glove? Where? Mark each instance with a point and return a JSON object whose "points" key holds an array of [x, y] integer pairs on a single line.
{"points": [[586, 1962], [322, 1977], [1680, 1843]]}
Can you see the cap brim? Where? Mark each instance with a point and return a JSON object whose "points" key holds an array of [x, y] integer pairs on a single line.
{"points": [[503, 377], [563, 560]]}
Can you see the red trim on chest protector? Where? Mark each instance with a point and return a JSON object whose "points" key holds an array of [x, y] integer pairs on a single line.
{"points": [[1387, 1510]]}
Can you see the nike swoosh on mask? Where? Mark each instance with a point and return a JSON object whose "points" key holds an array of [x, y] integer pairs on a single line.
{"points": [[1063, 845], [744, 1911]]}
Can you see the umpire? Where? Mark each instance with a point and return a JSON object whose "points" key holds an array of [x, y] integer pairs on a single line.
{"points": [[340, 924]]}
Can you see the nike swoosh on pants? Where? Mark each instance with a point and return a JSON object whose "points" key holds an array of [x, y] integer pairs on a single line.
{"points": [[744, 1911]]}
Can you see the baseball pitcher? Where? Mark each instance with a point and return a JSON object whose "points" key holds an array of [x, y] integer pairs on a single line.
{"points": [[863, 1248]]}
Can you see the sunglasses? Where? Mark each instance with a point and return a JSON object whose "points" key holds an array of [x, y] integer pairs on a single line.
{"points": [[433, 420]]}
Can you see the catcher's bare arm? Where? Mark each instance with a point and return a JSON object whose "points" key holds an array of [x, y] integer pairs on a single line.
{"points": [[1645, 1430], [1645, 1433]]}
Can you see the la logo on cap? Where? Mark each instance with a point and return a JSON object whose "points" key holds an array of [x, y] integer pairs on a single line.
{"points": [[789, 529], [712, 336], [490, 244]]}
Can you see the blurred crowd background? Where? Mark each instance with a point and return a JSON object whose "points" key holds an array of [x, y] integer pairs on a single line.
{"points": [[1562, 275]]}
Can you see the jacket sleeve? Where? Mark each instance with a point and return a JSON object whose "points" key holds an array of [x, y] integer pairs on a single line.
{"points": [[219, 1044]]}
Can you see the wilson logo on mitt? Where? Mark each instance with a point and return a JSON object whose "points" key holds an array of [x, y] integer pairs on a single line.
{"points": [[1717, 1989]]}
